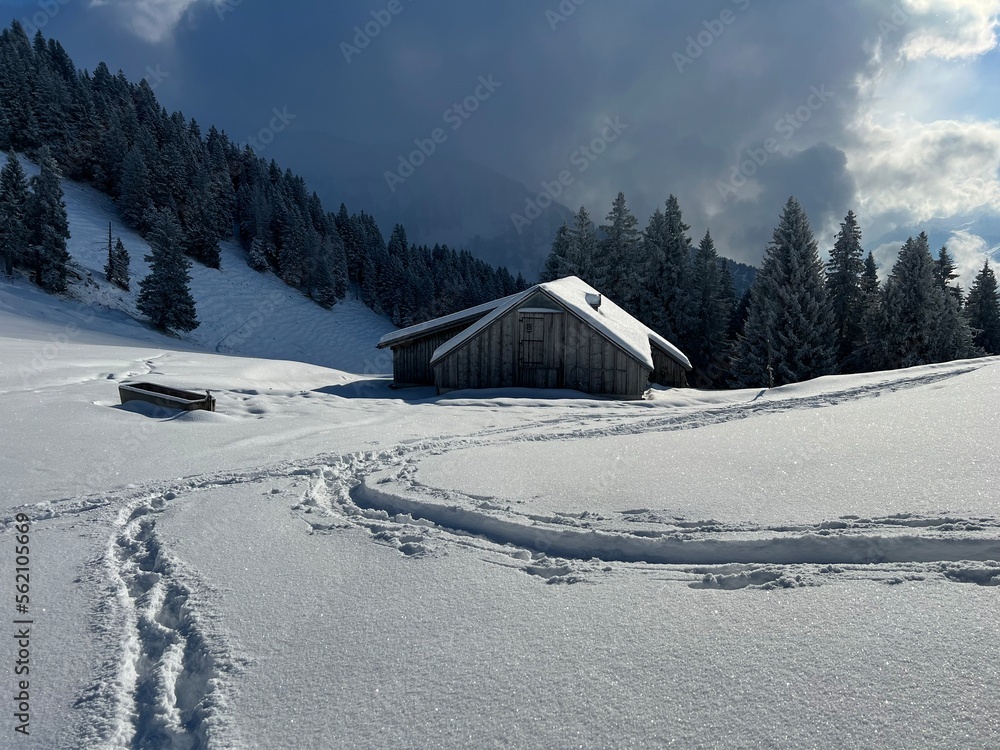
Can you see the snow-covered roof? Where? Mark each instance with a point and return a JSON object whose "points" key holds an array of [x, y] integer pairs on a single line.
{"points": [[571, 293], [395, 337]]}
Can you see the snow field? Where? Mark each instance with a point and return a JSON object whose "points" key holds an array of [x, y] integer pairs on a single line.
{"points": [[325, 562], [258, 579]]}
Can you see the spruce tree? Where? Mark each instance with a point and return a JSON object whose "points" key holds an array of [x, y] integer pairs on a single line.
{"points": [[120, 259], [585, 247], [983, 310], [135, 192], [48, 226], [728, 287], [294, 243], [201, 238], [369, 284], [256, 257], [201, 223], [616, 271], [788, 336], [13, 206], [843, 284], [353, 247], [871, 354], [712, 311], [651, 308], [324, 289], [394, 301], [337, 255], [116, 269], [951, 336], [559, 262], [944, 268], [671, 276], [738, 320], [923, 323], [869, 275], [165, 295]]}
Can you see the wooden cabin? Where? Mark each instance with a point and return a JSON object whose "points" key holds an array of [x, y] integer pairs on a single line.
{"points": [[560, 334]]}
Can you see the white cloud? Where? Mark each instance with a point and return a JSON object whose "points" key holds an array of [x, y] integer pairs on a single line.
{"points": [[949, 29], [969, 251], [922, 170], [912, 155], [152, 20]]}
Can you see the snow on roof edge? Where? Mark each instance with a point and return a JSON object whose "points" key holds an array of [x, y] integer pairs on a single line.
{"points": [[443, 322], [508, 303], [670, 350], [633, 336]]}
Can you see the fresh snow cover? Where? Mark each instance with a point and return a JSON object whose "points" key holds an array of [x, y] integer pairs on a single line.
{"points": [[444, 321], [326, 562], [786, 438], [240, 310], [620, 327]]}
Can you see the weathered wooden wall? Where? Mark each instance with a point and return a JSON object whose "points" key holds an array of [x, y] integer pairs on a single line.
{"points": [[411, 360], [487, 360], [666, 371], [593, 364], [575, 356]]}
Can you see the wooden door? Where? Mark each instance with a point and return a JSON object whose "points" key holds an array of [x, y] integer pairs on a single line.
{"points": [[539, 364]]}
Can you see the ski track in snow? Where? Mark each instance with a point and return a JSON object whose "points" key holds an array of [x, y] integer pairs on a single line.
{"points": [[166, 687]]}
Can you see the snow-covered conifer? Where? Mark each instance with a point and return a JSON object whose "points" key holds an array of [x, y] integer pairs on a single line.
{"points": [[165, 294], [712, 310], [559, 262], [616, 269], [983, 310], [256, 258], [843, 284], [788, 335], [922, 319], [13, 205], [48, 226], [135, 190], [585, 246], [117, 267]]}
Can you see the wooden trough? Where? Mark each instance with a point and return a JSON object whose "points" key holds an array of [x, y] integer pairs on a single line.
{"points": [[169, 398]]}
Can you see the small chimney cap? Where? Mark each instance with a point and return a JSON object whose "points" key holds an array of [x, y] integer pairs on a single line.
{"points": [[594, 300]]}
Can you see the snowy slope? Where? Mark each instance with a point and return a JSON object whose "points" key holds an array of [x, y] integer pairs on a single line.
{"points": [[324, 562], [241, 311]]}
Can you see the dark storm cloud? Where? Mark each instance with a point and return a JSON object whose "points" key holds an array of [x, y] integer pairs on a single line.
{"points": [[698, 83], [818, 179]]}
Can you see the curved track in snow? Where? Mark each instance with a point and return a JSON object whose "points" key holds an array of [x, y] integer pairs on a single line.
{"points": [[166, 686]]}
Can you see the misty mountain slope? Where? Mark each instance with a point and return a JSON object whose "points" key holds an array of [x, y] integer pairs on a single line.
{"points": [[240, 310], [447, 201]]}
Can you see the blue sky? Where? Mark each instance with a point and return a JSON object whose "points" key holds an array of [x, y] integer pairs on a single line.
{"points": [[906, 128]]}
